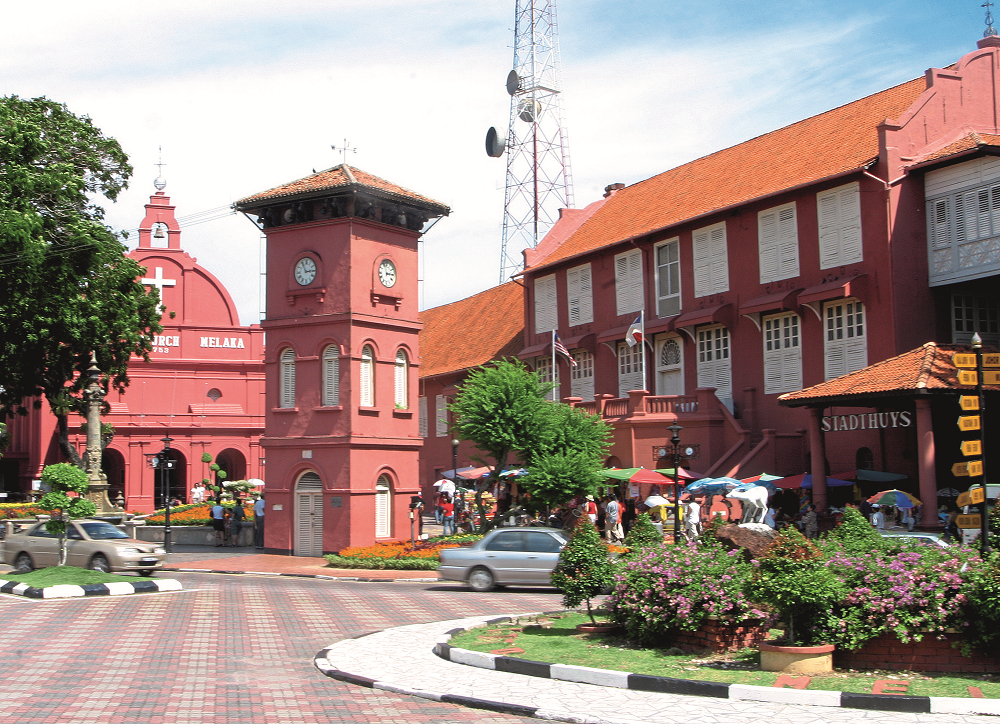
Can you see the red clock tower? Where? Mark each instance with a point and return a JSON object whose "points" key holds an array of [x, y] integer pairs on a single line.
{"points": [[342, 325]]}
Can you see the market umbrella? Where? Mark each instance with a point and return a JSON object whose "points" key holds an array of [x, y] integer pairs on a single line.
{"points": [[514, 472], [654, 500], [898, 498], [258, 483], [636, 475], [445, 486]]}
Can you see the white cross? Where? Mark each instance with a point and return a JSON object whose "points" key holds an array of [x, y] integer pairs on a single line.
{"points": [[159, 282]]}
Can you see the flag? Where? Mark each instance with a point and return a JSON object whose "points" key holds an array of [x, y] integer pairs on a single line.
{"points": [[559, 347], [634, 334]]}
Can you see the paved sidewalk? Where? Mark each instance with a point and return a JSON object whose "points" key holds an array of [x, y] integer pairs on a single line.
{"points": [[401, 660]]}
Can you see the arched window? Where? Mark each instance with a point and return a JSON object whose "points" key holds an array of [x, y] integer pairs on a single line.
{"points": [[367, 378], [331, 376], [383, 507], [402, 370], [286, 376], [864, 459]]}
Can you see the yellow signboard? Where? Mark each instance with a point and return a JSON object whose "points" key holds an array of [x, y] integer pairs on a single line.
{"points": [[968, 402], [963, 498], [969, 521], [975, 468], [991, 360], [991, 377], [972, 447], [960, 470], [964, 360], [967, 423], [976, 496], [965, 377]]}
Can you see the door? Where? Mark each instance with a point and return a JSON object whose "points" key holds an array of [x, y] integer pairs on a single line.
{"points": [[505, 554], [542, 552], [309, 516], [669, 367]]}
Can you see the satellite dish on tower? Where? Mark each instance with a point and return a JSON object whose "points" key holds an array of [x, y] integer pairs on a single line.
{"points": [[528, 110], [495, 143], [513, 82]]}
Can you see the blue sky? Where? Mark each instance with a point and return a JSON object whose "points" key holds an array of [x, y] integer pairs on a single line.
{"points": [[246, 95]]}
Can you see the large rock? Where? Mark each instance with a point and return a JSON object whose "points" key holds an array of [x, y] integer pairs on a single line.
{"points": [[750, 537]]}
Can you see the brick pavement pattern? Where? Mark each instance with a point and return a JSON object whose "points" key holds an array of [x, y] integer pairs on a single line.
{"points": [[230, 649]]}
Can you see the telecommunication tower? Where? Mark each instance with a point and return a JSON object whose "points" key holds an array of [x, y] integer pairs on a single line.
{"points": [[539, 179]]}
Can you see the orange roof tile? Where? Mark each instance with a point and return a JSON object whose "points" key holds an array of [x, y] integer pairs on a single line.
{"points": [[342, 176], [836, 142], [928, 367], [973, 140], [472, 331]]}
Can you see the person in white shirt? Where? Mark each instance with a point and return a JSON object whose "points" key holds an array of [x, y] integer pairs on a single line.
{"points": [[198, 493], [878, 518], [258, 522]]}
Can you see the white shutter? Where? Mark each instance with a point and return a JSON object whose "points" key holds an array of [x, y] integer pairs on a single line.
{"points": [[628, 282], [635, 280], [383, 508], [835, 363], [850, 224], [621, 291], [723, 383], [287, 378], [839, 212], [829, 237], [788, 243], [630, 369], [579, 295], [941, 235], [331, 376], [846, 337], [546, 314], [856, 354], [702, 263], [441, 416], [720, 260], [399, 391], [582, 376], [422, 417], [791, 369], [772, 372], [767, 245], [366, 382]]}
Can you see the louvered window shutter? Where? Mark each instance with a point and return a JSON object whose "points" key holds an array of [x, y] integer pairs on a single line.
{"points": [[441, 416], [367, 378], [941, 236], [287, 378], [767, 243], [401, 370], [788, 243], [331, 376], [839, 213], [850, 225], [573, 296], [579, 293], [635, 280], [702, 264], [383, 508], [582, 376], [720, 260], [829, 238], [545, 304], [422, 417], [630, 369]]}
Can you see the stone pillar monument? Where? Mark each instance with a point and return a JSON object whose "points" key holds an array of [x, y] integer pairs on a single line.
{"points": [[97, 480]]}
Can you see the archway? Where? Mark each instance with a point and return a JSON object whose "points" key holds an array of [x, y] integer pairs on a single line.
{"points": [[176, 480], [113, 465], [308, 532], [234, 463]]}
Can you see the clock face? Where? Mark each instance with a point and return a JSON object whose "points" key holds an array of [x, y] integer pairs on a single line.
{"points": [[305, 271], [387, 273]]}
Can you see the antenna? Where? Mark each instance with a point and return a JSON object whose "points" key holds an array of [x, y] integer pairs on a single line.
{"points": [[989, 20], [539, 179], [160, 183], [345, 149]]}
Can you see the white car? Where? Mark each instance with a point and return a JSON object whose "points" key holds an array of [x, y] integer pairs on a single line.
{"points": [[524, 556], [94, 544]]}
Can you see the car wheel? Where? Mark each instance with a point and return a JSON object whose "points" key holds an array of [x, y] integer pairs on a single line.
{"points": [[481, 580], [23, 563], [146, 572], [100, 563]]}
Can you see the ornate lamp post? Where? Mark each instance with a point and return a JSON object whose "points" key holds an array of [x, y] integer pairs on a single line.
{"points": [[164, 463], [93, 395], [675, 442]]}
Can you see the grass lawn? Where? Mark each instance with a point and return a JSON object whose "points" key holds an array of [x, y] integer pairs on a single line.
{"points": [[554, 639], [58, 575]]}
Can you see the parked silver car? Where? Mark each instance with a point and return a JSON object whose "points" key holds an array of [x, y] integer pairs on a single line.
{"points": [[525, 556], [94, 544]]}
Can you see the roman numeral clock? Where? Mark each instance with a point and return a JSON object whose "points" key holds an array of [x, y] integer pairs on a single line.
{"points": [[342, 337]]}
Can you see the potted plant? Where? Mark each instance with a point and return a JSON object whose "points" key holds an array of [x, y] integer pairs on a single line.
{"points": [[793, 580], [584, 571]]}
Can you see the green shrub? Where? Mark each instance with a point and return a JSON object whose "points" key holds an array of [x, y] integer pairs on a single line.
{"points": [[642, 535], [855, 535], [378, 564], [982, 610], [583, 570]]}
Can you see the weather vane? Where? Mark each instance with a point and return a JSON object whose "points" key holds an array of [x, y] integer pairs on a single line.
{"points": [[160, 183], [990, 30], [345, 149]]}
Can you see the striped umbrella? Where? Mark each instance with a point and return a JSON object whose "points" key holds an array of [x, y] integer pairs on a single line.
{"points": [[898, 498]]}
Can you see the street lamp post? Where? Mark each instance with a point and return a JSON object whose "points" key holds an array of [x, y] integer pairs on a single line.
{"points": [[454, 456], [675, 442], [164, 463]]}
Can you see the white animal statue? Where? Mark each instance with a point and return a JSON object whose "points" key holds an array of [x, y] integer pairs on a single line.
{"points": [[754, 503]]}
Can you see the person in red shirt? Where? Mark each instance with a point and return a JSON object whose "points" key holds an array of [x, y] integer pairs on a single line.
{"points": [[448, 515]]}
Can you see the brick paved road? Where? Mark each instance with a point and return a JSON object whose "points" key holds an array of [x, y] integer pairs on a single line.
{"points": [[232, 649]]}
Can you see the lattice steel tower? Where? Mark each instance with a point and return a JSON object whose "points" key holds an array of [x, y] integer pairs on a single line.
{"points": [[539, 179]]}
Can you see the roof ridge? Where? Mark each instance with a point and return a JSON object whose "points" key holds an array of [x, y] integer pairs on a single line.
{"points": [[926, 364], [350, 173]]}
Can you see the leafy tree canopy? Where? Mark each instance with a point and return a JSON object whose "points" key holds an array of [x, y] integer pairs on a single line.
{"points": [[66, 286]]}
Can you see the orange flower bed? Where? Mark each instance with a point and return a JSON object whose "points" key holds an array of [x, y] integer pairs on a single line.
{"points": [[20, 510], [200, 514], [400, 549]]}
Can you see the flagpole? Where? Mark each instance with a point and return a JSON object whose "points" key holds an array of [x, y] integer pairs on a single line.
{"points": [[642, 344], [555, 394]]}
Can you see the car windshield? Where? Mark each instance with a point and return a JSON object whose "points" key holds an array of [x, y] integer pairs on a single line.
{"points": [[102, 531]]}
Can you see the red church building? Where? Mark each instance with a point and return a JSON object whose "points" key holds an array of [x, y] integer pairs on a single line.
{"points": [[203, 387]]}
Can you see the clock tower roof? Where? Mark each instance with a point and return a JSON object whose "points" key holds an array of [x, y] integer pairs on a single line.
{"points": [[337, 180]]}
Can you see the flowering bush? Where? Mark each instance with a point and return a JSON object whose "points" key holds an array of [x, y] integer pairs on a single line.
{"points": [[982, 592], [677, 588], [398, 555], [194, 514], [20, 510]]}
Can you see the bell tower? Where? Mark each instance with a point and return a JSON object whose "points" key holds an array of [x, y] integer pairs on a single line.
{"points": [[342, 324]]}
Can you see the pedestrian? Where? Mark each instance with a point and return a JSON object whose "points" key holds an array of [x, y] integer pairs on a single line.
{"points": [[590, 509], [810, 522], [878, 518], [692, 519], [238, 515], [439, 496], [613, 520], [447, 516], [198, 493], [258, 521], [219, 523]]}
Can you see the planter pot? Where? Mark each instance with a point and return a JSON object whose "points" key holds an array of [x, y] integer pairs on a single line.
{"points": [[796, 659], [597, 627]]}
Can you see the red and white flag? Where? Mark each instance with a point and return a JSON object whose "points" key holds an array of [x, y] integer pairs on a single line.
{"points": [[634, 334], [559, 347]]}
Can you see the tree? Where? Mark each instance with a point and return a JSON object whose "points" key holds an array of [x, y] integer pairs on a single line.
{"points": [[583, 570], [66, 286], [503, 410], [64, 478]]}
